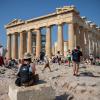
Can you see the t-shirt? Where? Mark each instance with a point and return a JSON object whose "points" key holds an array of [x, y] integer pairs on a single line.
{"points": [[76, 54], [46, 59], [68, 54], [30, 68], [91, 56], [1, 51]]}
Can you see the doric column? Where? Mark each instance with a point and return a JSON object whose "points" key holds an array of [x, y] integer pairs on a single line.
{"points": [[29, 42], [77, 35], [71, 39], [48, 42], [21, 51], [38, 42], [9, 46], [25, 42], [15, 46], [60, 44]]}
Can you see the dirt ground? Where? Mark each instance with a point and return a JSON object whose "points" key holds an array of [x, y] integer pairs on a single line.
{"points": [[67, 87]]}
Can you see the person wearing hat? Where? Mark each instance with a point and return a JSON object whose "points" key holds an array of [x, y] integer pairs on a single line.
{"points": [[26, 72]]}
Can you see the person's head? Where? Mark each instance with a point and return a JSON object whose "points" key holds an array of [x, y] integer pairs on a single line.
{"points": [[21, 61], [68, 50], [58, 52], [27, 58], [78, 47]]}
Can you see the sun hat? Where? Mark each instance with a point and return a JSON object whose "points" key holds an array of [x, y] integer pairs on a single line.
{"points": [[27, 55]]}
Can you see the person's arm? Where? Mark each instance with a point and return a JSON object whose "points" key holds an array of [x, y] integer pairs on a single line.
{"points": [[33, 68], [81, 56], [19, 66]]}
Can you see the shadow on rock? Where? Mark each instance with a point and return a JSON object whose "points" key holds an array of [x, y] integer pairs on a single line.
{"points": [[64, 97], [89, 74], [41, 82]]}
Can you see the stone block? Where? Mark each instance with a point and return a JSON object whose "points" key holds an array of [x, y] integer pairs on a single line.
{"points": [[36, 92]]}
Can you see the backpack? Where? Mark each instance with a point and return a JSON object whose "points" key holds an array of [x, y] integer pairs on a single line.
{"points": [[24, 73], [75, 55]]}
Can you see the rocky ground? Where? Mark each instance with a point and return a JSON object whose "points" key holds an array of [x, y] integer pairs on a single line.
{"points": [[67, 86]]}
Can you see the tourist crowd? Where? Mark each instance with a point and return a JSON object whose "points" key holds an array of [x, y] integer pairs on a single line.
{"points": [[27, 66]]}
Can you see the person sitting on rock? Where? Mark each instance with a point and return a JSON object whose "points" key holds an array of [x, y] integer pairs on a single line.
{"points": [[26, 72]]}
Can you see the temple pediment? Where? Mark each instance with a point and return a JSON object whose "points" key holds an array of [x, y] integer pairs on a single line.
{"points": [[15, 22]]}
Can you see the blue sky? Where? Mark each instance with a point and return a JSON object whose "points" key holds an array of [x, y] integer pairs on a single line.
{"points": [[26, 9]]}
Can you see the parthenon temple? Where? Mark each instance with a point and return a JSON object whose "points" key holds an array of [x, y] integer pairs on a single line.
{"points": [[25, 36]]}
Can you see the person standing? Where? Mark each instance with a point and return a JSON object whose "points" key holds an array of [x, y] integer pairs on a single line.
{"points": [[59, 58], [47, 64], [91, 58], [1, 55], [76, 56], [69, 57]]}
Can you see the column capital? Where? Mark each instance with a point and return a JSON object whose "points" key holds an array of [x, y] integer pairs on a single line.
{"points": [[29, 30], [59, 23], [22, 32], [9, 34], [37, 28], [15, 33], [48, 26]]}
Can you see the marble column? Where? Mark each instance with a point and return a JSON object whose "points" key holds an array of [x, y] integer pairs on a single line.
{"points": [[71, 39], [96, 48], [21, 51], [60, 44], [48, 41], [9, 46], [25, 41], [77, 35], [82, 44], [38, 42], [29, 41], [15, 46]]}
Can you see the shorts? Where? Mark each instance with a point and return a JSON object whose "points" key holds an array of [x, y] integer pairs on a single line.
{"points": [[69, 58], [76, 62], [91, 59]]}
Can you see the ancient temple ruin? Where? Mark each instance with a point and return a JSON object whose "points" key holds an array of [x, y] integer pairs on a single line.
{"points": [[80, 32]]}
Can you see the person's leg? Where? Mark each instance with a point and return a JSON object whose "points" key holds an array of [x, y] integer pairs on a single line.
{"points": [[69, 63], [74, 68], [44, 67], [18, 81], [91, 61], [77, 69], [49, 67]]}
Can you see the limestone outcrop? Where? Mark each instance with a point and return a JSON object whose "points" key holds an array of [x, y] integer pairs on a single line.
{"points": [[36, 92]]}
